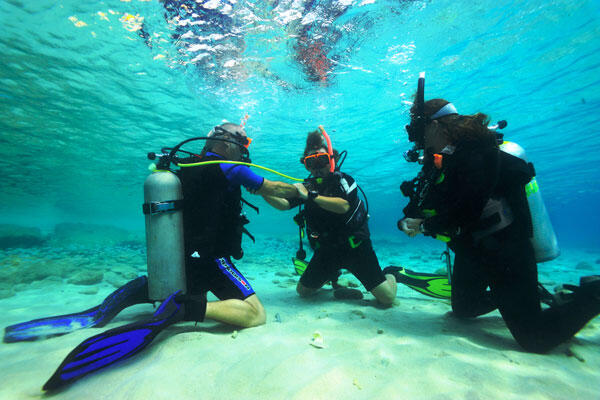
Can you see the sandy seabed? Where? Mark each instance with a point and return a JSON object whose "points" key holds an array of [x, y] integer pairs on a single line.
{"points": [[414, 350]]}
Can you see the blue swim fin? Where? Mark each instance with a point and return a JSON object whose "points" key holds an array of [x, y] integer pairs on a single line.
{"points": [[133, 292], [115, 344]]}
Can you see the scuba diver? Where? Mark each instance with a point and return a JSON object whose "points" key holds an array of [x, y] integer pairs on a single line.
{"points": [[471, 194], [337, 225], [192, 233], [213, 226]]}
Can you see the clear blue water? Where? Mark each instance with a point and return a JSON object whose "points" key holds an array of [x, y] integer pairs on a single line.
{"points": [[88, 88]]}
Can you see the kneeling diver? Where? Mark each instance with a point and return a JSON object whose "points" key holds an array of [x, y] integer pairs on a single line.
{"points": [[212, 226], [337, 225], [471, 194]]}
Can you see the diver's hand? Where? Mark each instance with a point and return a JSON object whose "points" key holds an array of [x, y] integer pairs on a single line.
{"points": [[302, 192], [411, 226]]}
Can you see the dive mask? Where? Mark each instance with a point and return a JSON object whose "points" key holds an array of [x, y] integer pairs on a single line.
{"points": [[418, 120], [238, 138], [316, 161]]}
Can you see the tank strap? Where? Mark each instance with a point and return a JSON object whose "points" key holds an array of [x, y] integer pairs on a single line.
{"points": [[156, 207], [496, 215], [246, 202]]}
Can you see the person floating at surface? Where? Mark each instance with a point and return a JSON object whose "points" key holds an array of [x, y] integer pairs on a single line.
{"points": [[213, 228], [337, 225], [472, 195]]}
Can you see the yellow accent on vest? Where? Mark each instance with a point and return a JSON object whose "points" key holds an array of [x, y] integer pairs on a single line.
{"points": [[532, 187]]}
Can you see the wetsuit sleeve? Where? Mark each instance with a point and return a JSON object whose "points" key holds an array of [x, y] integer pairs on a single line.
{"points": [[412, 210], [243, 176], [470, 181]]}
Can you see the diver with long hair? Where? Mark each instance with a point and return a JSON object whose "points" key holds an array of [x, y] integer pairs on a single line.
{"points": [[471, 194]]}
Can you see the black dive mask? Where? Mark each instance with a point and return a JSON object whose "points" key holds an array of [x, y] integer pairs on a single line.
{"points": [[242, 141]]}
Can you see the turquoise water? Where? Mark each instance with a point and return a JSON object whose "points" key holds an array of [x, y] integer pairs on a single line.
{"points": [[84, 97], [87, 89]]}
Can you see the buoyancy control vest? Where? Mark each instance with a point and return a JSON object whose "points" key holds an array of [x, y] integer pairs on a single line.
{"points": [[515, 197], [213, 219], [328, 227]]}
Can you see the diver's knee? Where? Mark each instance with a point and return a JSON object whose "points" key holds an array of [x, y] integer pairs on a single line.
{"points": [[463, 311], [532, 344], [385, 298], [385, 293], [303, 291], [257, 314]]}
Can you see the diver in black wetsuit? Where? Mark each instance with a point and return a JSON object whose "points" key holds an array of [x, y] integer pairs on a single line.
{"points": [[472, 195], [337, 225], [213, 226]]}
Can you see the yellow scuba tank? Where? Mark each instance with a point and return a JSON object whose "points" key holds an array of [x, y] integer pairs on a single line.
{"points": [[544, 240], [163, 202]]}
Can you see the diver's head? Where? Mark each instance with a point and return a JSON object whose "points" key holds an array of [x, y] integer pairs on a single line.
{"points": [[234, 144], [444, 126], [317, 162], [437, 114], [436, 122], [422, 116], [317, 159], [424, 113]]}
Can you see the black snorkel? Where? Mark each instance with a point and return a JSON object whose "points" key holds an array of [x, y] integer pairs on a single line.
{"points": [[416, 128]]}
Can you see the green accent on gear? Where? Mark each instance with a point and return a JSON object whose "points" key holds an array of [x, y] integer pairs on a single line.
{"points": [[432, 285], [354, 244], [299, 265], [443, 238], [239, 163], [532, 187], [428, 213], [440, 179]]}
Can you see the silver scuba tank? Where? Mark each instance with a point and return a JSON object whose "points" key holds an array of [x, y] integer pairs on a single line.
{"points": [[544, 240], [162, 207]]}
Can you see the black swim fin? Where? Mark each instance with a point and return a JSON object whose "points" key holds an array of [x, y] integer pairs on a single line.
{"points": [[433, 285], [133, 292], [115, 344]]}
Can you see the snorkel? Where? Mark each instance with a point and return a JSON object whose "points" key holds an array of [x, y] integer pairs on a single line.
{"points": [[329, 149], [416, 128]]}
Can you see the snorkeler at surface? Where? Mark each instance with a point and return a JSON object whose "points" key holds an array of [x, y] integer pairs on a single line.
{"points": [[210, 36], [337, 225], [471, 194]]}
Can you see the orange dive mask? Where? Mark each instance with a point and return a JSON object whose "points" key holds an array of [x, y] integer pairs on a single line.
{"points": [[316, 161]]}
